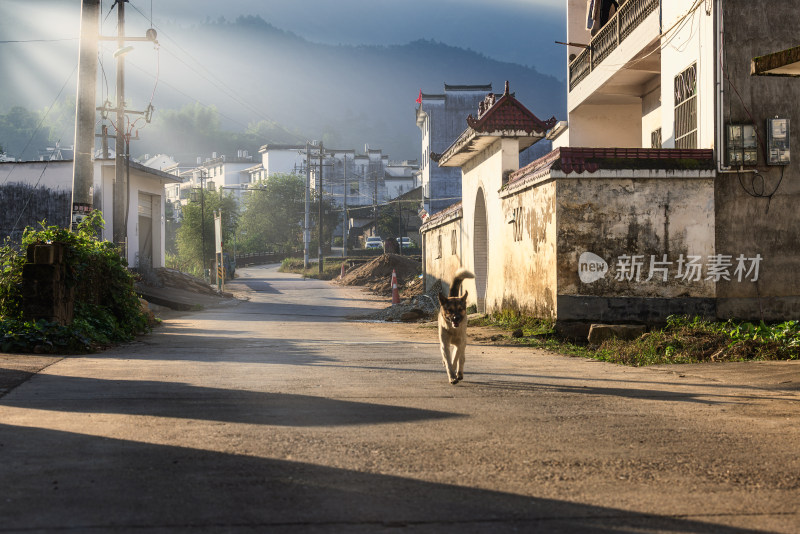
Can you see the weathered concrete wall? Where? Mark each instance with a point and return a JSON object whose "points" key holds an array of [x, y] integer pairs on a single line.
{"points": [[758, 215], [528, 251], [483, 177], [443, 253], [634, 245]]}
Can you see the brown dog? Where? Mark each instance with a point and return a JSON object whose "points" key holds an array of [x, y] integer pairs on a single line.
{"points": [[453, 327]]}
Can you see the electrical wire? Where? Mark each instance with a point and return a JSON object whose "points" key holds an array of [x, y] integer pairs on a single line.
{"points": [[211, 77], [41, 121], [40, 40], [756, 177]]}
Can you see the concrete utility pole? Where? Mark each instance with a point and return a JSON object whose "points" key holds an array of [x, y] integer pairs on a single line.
{"points": [[346, 221], [120, 232], [307, 222], [319, 191], [82, 167]]}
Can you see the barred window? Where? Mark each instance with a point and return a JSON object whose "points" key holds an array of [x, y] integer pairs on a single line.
{"points": [[439, 246], [686, 108], [655, 138], [518, 224], [453, 242]]}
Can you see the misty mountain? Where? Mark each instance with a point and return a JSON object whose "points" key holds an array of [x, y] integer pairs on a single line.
{"points": [[347, 96], [264, 81]]}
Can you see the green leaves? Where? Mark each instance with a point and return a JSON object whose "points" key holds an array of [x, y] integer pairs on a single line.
{"points": [[107, 308]]}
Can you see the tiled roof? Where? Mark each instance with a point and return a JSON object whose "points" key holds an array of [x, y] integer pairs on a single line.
{"points": [[503, 117], [507, 113], [579, 160], [454, 211]]}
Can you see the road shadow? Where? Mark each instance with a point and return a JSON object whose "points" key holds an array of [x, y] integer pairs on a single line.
{"points": [[185, 401], [63, 481]]}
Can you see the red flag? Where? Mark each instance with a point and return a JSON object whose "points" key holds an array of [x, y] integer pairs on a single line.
{"points": [[419, 98]]}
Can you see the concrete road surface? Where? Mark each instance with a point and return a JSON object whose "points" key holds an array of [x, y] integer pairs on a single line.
{"points": [[278, 415]]}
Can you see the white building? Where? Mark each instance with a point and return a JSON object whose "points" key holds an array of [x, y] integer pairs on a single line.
{"points": [[51, 182]]}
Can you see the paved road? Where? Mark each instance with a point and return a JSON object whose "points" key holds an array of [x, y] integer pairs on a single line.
{"points": [[277, 415]]}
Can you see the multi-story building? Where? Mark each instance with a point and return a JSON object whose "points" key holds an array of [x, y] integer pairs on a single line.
{"points": [[671, 189], [232, 174], [440, 117]]}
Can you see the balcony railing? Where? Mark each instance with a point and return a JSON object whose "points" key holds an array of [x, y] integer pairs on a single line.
{"points": [[630, 15]]}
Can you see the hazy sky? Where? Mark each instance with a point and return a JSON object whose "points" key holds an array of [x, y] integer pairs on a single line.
{"points": [[519, 31]]}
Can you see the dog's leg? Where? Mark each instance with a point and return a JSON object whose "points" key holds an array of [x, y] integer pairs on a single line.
{"points": [[444, 344], [459, 361]]}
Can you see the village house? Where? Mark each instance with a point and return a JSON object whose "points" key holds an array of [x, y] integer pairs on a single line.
{"points": [[671, 189], [231, 174], [440, 118], [42, 190]]}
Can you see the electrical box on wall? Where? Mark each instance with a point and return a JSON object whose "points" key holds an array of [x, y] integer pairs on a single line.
{"points": [[778, 152], [742, 145]]}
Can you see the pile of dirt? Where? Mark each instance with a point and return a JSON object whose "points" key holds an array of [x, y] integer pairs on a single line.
{"points": [[162, 277], [420, 307], [376, 275]]}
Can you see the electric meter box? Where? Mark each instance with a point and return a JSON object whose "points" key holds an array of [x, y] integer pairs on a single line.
{"points": [[742, 145], [778, 152]]}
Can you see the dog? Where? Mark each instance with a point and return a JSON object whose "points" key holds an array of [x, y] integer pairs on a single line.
{"points": [[453, 327]]}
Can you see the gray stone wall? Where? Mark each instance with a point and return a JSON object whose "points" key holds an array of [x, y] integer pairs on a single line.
{"points": [[759, 214]]}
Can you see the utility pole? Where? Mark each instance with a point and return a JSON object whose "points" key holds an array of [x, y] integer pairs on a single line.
{"points": [[375, 200], [346, 221], [120, 180], [82, 167], [319, 191], [307, 223]]}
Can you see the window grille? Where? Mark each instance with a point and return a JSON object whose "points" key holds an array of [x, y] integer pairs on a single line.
{"points": [[439, 246], [686, 108], [655, 138], [518, 224], [453, 243]]}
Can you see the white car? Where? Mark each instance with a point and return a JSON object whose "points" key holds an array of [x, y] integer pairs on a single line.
{"points": [[407, 243], [373, 242]]}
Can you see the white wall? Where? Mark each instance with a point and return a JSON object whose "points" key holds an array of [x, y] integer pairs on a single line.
{"points": [[606, 126], [691, 41], [282, 161]]}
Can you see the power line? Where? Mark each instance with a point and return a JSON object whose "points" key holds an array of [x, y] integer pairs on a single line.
{"points": [[40, 40], [212, 78], [41, 121]]}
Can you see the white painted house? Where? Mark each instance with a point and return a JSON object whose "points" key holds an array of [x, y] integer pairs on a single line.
{"points": [[38, 183]]}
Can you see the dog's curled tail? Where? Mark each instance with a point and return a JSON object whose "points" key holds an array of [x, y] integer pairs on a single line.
{"points": [[461, 275]]}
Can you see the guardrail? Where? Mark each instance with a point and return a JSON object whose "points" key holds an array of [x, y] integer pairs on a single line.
{"points": [[630, 15]]}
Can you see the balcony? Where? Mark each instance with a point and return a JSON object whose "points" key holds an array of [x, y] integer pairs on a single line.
{"points": [[630, 15]]}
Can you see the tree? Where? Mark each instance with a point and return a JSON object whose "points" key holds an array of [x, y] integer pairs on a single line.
{"points": [[190, 235], [274, 213]]}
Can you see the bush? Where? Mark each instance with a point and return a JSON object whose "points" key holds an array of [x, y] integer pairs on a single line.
{"points": [[107, 308]]}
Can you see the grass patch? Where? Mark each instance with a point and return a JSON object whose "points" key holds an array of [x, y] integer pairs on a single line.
{"points": [[331, 268], [682, 340]]}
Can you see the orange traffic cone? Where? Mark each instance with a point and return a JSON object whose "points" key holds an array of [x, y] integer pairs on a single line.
{"points": [[395, 292]]}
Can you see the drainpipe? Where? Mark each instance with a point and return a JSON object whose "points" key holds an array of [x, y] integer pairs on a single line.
{"points": [[719, 126]]}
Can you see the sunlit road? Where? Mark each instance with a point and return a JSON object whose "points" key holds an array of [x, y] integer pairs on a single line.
{"points": [[277, 415]]}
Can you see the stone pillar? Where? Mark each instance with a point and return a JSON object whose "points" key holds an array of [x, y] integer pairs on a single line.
{"points": [[45, 294]]}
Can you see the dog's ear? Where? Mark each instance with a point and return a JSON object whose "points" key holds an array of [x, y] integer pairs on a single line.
{"points": [[464, 298], [442, 299]]}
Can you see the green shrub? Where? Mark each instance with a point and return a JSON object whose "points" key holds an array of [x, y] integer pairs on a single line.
{"points": [[107, 308]]}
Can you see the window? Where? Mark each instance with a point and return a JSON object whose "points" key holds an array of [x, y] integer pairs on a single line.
{"points": [[453, 243], [518, 223], [439, 246], [686, 108], [655, 138]]}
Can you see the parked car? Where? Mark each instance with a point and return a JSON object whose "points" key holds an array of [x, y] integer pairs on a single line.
{"points": [[373, 242], [407, 243]]}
